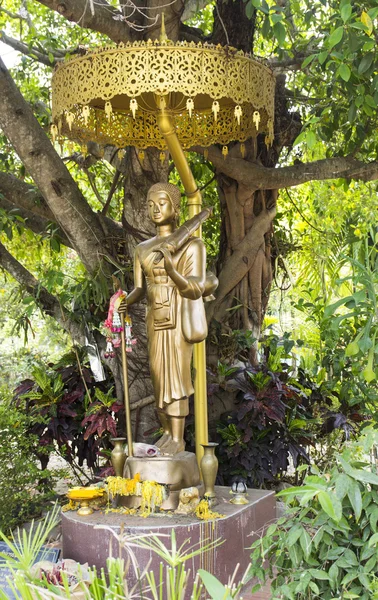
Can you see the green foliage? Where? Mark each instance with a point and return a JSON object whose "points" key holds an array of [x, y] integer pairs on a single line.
{"points": [[325, 546], [25, 489], [348, 331], [336, 87]]}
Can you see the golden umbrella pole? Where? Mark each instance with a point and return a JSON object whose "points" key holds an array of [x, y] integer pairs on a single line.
{"points": [[126, 388], [168, 131]]}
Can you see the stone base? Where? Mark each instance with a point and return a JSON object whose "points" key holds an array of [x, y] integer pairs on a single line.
{"points": [[84, 542], [178, 471]]}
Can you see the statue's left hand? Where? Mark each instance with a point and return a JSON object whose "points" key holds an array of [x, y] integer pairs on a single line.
{"points": [[122, 308], [168, 262]]}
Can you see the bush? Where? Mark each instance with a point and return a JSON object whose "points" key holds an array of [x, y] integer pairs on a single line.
{"points": [[70, 412], [270, 426], [326, 546], [25, 489]]}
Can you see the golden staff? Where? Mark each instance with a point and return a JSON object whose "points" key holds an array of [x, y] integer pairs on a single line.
{"points": [[126, 388]]}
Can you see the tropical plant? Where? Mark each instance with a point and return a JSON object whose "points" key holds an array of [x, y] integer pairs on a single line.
{"points": [[326, 545], [69, 412], [271, 423]]}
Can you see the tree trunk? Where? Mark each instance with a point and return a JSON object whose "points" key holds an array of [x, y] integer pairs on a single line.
{"points": [[241, 209]]}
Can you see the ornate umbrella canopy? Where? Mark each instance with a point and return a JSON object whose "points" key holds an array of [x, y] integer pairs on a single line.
{"points": [[112, 95]]}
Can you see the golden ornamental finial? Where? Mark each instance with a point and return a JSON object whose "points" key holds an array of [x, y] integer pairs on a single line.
{"points": [[163, 34]]}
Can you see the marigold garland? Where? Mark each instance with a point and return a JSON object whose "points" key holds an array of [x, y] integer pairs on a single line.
{"points": [[122, 486], [152, 493], [152, 496]]}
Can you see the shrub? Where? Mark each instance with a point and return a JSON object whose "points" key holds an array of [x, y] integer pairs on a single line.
{"points": [[25, 489], [269, 426], [326, 546], [70, 412]]}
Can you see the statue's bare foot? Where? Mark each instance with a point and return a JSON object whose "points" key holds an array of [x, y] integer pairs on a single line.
{"points": [[167, 442], [174, 447], [163, 440]]}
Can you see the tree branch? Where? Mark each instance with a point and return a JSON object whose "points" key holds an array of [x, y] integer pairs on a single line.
{"points": [[35, 223], [25, 49], [32, 204], [49, 303], [102, 20], [69, 207], [12, 15], [257, 177], [24, 195]]}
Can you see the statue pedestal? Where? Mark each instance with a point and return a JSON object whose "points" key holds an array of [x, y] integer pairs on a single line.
{"points": [[178, 471], [84, 542]]}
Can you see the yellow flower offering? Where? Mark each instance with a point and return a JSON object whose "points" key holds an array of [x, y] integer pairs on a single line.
{"points": [[152, 497], [203, 512], [123, 486]]}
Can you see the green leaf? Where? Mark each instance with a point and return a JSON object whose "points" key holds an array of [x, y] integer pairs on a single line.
{"points": [[249, 9], [308, 60], [319, 574], [279, 33], [358, 474], [310, 139], [352, 349], [213, 586], [301, 138], [346, 12], [373, 541], [365, 580], [349, 577], [370, 101], [334, 575], [343, 483], [294, 534], [305, 542], [354, 495], [265, 29], [344, 72], [330, 504], [371, 564], [296, 555], [356, 298], [322, 56], [365, 63], [368, 374], [312, 585], [373, 519], [335, 37]]}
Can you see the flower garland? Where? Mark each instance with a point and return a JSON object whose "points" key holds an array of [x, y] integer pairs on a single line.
{"points": [[112, 326]]}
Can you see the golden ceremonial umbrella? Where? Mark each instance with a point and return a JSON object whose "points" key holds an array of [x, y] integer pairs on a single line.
{"points": [[166, 94], [214, 94]]}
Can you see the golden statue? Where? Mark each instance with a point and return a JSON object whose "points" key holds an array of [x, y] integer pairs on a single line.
{"points": [[170, 270]]}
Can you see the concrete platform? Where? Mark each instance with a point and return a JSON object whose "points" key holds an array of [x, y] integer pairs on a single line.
{"points": [[241, 525]]}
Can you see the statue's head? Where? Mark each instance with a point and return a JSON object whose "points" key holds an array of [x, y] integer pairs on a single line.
{"points": [[163, 203]]}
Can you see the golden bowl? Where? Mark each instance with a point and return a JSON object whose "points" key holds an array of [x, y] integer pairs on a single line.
{"points": [[84, 496]]}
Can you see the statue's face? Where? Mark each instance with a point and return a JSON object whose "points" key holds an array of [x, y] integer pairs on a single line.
{"points": [[160, 208]]}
